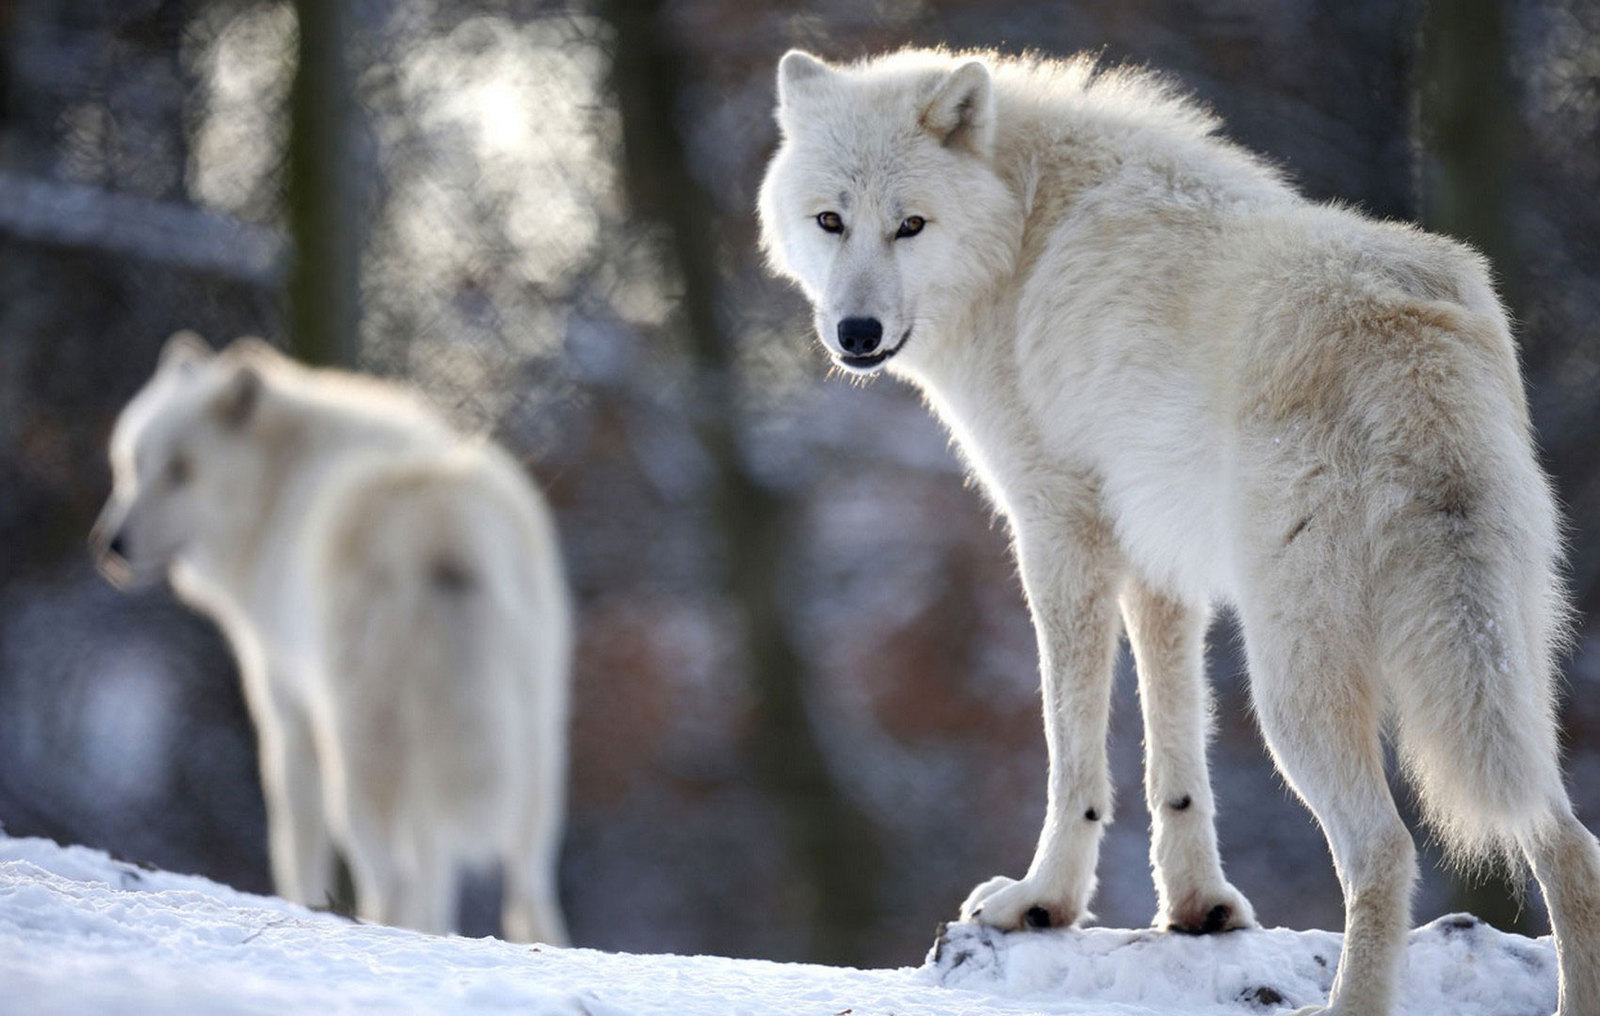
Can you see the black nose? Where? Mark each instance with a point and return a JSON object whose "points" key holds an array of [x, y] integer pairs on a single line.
{"points": [[859, 336], [118, 546]]}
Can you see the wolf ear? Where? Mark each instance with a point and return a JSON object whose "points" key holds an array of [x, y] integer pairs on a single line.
{"points": [[183, 351], [248, 348], [797, 72], [961, 112], [235, 405]]}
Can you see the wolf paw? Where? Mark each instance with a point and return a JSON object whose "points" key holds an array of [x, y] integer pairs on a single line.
{"points": [[1312, 1010], [1011, 905], [1209, 912]]}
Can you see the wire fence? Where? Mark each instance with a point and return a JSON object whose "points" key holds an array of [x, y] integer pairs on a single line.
{"points": [[521, 262]]}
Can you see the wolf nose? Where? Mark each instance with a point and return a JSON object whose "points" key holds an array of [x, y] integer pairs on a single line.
{"points": [[859, 336], [118, 547]]}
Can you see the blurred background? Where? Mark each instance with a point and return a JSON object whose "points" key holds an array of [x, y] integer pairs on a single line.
{"points": [[807, 716]]}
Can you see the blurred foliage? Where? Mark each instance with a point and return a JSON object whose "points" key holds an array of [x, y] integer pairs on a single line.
{"points": [[802, 644]]}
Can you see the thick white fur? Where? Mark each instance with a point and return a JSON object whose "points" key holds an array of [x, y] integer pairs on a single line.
{"points": [[395, 598], [1182, 384]]}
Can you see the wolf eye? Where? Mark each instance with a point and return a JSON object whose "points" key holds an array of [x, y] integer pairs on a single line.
{"points": [[178, 471], [830, 222], [910, 226]]}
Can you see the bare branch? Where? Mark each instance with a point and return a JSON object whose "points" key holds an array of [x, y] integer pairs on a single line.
{"points": [[75, 215]]}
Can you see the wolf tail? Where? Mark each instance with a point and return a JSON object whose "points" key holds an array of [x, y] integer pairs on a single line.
{"points": [[1470, 599]]}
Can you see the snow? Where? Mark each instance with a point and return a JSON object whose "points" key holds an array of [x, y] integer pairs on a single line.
{"points": [[1455, 966], [82, 933]]}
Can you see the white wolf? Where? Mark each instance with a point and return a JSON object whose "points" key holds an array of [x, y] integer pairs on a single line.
{"points": [[1182, 383], [394, 595]]}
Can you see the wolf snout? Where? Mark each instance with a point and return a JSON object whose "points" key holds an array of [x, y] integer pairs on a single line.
{"points": [[107, 540], [109, 547], [860, 336]]}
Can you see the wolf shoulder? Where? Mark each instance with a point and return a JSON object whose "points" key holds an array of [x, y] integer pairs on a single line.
{"points": [[1200, 277], [1197, 222]]}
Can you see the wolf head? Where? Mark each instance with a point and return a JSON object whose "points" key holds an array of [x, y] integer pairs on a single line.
{"points": [[883, 201], [184, 461]]}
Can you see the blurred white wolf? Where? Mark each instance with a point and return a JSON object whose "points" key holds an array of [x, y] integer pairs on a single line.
{"points": [[394, 595], [1182, 383]]}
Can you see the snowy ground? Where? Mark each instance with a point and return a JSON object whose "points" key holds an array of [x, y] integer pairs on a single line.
{"points": [[81, 933]]}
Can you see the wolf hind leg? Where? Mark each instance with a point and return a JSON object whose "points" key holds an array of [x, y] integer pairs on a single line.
{"points": [[373, 869], [532, 909], [1321, 713], [1566, 860], [532, 903], [1167, 638], [426, 899]]}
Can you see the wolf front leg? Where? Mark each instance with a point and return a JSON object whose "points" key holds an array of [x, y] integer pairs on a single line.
{"points": [[1168, 640], [299, 844], [1070, 569]]}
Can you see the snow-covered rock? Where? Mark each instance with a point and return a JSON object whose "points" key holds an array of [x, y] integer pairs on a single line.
{"points": [[1455, 966], [82, 933]]}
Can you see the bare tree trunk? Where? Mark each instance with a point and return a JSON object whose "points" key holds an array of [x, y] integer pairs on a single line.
{"points": [[1466, 130], [324, 288], [324, 285], [831, 844]]}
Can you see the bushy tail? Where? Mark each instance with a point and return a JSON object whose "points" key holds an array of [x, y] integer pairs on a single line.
{"points": [[427, 650], [1471, 605]]}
